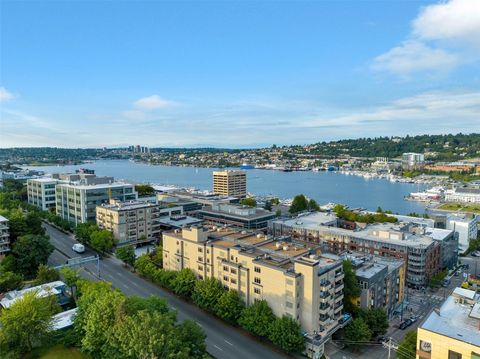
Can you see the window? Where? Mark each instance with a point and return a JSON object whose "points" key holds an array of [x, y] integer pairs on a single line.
{"points": [[256, 290], [234, 281], [225, 268], [257, 269], [454, 355], [257, 280], [233, 271], [200, 250], [200, 268], [225, 278]]}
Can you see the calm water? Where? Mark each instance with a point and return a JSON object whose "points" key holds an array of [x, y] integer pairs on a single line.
{"points": [[322, 186]]}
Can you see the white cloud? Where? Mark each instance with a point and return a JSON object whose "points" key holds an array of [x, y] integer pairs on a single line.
{"points": [[454, 20], [443, 36], [5, 95], [413, 56], [153, 102], [446, 111]]}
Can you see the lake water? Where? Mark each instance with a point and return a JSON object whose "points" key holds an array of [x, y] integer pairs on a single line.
{"points": [[324, 187]]}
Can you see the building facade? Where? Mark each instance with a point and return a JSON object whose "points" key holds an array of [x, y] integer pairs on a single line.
{"points": [[236, 215], [294, 280], [4, 237], [453, 331], [463, 195], [230, 183], [76, 201], [412, 159], [466, 228], [131, 222], [41, 192], [381, 280], [424, 254]]}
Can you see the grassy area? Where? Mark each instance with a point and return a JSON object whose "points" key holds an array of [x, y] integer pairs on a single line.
{"points": [[474, 208], [58, 352]]}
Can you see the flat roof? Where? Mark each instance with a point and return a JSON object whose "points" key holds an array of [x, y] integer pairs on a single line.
{"points": [[96, 186], [179, 222], [313, 221], [64, 319], [128, 205], [259, 213], [456, 320], [43, 290], [44, 179], [3, 219]]}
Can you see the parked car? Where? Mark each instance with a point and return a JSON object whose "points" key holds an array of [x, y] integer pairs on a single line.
{"points": [[413, 318], [457, 273], [382, 339], [475, 254], [78, 247], [405, 324]]}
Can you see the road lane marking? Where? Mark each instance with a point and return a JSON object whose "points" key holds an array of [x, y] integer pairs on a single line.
{"points": [[218, 347], [226, 341]]}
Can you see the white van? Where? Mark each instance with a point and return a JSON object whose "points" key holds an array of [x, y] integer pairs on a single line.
{"points": [[79, 248]]}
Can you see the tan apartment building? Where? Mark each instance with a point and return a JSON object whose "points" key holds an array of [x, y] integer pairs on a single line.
{"points": [[294, 279], [230, 183], [453, 330]]}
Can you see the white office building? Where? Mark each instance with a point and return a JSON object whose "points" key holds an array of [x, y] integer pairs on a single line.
{"points": [[41, 192], [466, 228], [4, 237], [412, 159]]}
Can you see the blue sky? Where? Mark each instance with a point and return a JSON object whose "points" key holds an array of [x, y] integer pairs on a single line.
{"points": [[235, 74]]}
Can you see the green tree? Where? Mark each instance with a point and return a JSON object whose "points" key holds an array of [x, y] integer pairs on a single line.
{"points": [[299, 204], [230, 306], [83, 231], [144, 190], [102, 240], [184, 283], [286, 333], [351, 290], [207, 293], [313, 205], [71, 279], [193, 337], [278, 212], [157, 256], [407, 347], [10, 281], [151, 304], [126, 254], [376, 319], [251, 202], [46, 274], [357, 333], [34, 223], [97, 318], [268, 205], [17, 224], [257, 318], [29, 252], [145, 266], [27, 322]]}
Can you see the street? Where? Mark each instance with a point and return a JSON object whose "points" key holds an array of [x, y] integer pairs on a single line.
{"points": [[420, 304], [223, 340]]}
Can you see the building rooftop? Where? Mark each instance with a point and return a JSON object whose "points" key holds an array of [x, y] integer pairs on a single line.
{"points": [[95, 186], [179, 221], [44, 290], [44, 179], [64, 319], [458, 317], [3, 219], [127, 205], [313, 221], [239, 211]]}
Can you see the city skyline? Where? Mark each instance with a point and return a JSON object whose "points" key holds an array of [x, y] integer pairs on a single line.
{"points": [[236, 74]]}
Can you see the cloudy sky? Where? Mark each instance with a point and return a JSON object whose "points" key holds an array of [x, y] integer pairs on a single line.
{"points": [[235, 74]]}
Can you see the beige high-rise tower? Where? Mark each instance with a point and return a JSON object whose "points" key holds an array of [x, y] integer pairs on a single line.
{"points": [[230, 183]]}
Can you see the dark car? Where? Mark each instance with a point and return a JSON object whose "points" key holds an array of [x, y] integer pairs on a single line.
{"points": [[382, 339], [405, 324]]}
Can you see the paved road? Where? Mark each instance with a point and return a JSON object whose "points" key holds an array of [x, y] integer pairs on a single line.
{"points": [[223, 340]]}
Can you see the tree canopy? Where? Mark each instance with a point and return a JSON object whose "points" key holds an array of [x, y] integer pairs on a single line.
{"points": [[257, 318], [29, 251]]}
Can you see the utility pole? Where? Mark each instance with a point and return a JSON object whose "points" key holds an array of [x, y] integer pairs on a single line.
{"points": [[390, 346]]}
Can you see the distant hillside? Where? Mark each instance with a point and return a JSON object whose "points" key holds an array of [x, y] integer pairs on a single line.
{"points": [[439, 147]]}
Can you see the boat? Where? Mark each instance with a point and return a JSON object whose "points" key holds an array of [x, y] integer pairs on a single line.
{"points": [[246, 166]]}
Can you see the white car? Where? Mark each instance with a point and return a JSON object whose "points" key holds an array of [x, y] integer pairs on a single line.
{"points": [[79, 248]]}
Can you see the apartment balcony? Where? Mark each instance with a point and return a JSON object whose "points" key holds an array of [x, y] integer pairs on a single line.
{"points": [[339, 276], [339, 287], [323, 310]]}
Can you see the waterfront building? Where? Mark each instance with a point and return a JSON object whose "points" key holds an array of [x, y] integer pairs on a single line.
{"points": [[236, 215], [463, 195], [293, 278], [41, 192], [453, 331], [77, 198], [412, 159], [381, 281], [4, 237], [465, 226], [131, 222], [230, 183], [424, 250]]}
